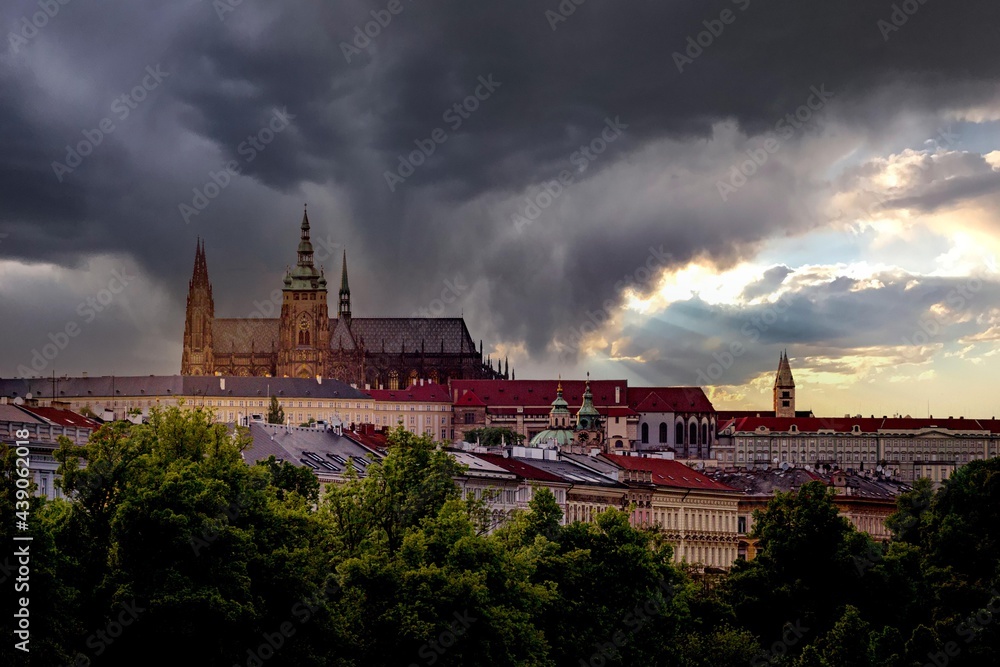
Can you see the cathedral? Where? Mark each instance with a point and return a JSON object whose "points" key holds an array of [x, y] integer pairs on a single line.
{"points": [[305, 342]]}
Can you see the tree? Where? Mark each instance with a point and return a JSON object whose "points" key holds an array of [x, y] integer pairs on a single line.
{"points": [[807, 566], [494, 436], [275, 413], [289, 478]]}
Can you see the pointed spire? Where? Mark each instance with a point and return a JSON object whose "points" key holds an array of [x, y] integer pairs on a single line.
{"points": [[305, 245], [784, 378], [343, 276], [345, 292]]}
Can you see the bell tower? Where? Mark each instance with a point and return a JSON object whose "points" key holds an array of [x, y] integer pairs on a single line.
{"points": [[197, 357], [304, 329], [784, 389]]}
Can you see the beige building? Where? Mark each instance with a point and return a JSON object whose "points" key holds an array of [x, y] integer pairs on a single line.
{"points": [[422, 408]]}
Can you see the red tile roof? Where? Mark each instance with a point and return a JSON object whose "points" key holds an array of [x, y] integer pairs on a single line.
{"points": [[866, 424], [470, 400], [62, 417], [427, 393], [373, 440], [669, 399], [667, 473], [520, 468], [541, 392]]}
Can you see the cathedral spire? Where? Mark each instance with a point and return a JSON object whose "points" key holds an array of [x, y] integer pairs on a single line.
{"points": [[305, 245], [345, 291]]}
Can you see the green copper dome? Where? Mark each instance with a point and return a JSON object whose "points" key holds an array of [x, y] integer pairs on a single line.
{"points": [[560, 436]]}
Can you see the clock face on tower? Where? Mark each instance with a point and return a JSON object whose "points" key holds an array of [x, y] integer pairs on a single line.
{"points": [[304, 324]]}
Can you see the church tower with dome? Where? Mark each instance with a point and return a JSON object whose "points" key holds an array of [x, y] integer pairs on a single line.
{"points": [[577, 436]]}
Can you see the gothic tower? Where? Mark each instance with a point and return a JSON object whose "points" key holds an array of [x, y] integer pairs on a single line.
{"points": [[784, 389], [197, 357], [345, 294], [304, 329]]}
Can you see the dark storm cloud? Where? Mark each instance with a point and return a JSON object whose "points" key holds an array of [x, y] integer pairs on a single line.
{"points": [[837, 318], [231, 71], [771, 280]]}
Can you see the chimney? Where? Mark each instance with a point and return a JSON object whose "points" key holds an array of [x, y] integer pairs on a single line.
{"points": [[319, 379], [85, 374], [222, 383], [421, 382]]}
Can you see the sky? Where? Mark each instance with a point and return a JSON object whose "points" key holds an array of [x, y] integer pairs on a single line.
{"points": [[667, 192]]}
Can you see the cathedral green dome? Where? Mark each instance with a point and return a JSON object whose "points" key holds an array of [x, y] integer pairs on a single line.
{"points": [[560, 436]]}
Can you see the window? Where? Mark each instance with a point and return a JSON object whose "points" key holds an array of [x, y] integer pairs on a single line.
{"points": [[645, 432], [663, 432], [394, 380], [470, 418], [679, 434], [704, 433], [694, 435], [784, 404]]}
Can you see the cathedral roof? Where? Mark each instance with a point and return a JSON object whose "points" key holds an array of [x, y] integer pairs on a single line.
{"points": [[409, 334]]}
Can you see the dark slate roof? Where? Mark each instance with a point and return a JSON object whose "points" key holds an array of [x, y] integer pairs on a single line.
{"points": [[570, 472], [326, 451], [260, 386], [398, 334], [240, 334], [410, 332], [767, 482], [174, 385]]}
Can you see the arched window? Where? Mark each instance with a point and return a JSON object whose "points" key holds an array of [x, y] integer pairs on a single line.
{"points": [[645, 432], [303, 337], [694, 434], [663, 432], [704, 434], [679, 434], [393, 379]]}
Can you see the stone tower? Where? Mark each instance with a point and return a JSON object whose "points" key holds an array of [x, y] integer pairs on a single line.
{"points": [[197, 358], [304, 328], [589, 432], [784, 389]]}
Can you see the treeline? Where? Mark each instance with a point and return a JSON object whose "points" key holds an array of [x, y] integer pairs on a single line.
{"points": [[173, 551]]}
